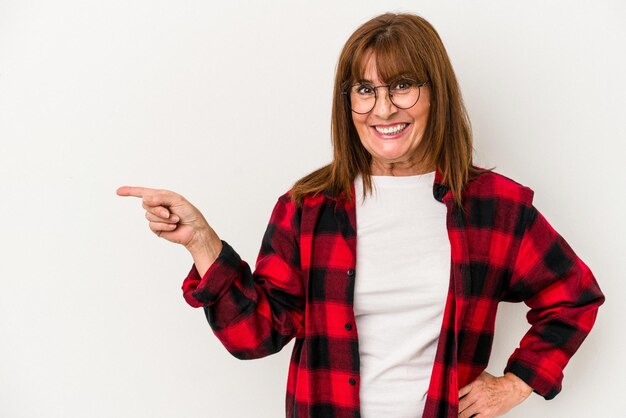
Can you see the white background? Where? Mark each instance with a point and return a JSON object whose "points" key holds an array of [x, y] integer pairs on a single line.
{"points": [[229, 103]]}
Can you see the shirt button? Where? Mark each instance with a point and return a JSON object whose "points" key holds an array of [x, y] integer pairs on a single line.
{"points": [[352, 381], [348, 326], [350, 272]]}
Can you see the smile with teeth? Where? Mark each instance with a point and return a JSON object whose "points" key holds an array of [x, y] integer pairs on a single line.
{"points": [[391, 130]]}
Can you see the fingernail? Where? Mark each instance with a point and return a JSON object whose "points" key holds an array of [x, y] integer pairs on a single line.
{"points": [[166, 214]]}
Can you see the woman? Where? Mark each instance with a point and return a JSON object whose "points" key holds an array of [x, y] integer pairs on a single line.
{"points": [[440, 243]]}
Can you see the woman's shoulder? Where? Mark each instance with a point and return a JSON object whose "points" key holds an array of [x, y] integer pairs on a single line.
{"points": [[495, 185], [290, 199]]}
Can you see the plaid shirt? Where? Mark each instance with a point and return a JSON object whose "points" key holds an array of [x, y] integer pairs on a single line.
{"points": [[502, 249]]}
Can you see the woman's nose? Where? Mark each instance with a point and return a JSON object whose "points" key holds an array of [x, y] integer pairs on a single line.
{"points": [[383, 106]]}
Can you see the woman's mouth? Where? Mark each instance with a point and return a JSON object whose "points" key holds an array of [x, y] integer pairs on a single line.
{"points": [[390, 131]]}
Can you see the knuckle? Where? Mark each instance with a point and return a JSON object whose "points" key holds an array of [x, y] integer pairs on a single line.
{"points": [[164, 192]]}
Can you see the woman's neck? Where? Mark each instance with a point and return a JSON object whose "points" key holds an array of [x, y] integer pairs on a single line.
{"points": [[399, 169]]}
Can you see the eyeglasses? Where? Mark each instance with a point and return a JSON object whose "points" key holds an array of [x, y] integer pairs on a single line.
{"points": [[403, 93]]}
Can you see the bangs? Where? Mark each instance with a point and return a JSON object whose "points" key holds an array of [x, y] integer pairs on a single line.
{"points": [[395, 57]]}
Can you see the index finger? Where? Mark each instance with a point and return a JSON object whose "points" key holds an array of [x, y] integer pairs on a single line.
{"points": [[465, 390], [134, 191]]}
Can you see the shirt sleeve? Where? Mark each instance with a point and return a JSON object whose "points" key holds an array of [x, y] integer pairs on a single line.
{"points": [[254, 314], [563, 297]]}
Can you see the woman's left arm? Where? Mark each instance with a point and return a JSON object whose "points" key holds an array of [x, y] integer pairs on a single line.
{"points": [[563, 297]]}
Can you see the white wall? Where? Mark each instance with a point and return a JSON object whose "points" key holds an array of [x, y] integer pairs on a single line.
{"points": [[228, 104]]}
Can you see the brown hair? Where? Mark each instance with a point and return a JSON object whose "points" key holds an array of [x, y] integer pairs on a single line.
{"points": [[402, 44]]}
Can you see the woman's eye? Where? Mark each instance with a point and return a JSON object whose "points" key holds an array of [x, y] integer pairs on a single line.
{"points": [[402, 85], [364, 89]]}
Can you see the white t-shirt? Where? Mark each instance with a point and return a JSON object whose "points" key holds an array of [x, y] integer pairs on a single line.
{"points": [[402, 280]]}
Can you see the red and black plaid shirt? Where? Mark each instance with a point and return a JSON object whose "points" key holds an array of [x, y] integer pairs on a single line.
{"points": [[302, 287]]}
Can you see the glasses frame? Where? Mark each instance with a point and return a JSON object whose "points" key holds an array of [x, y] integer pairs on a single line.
{"points": [[346, 94]]}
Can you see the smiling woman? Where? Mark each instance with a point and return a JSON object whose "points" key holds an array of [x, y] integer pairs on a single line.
{"points": [[400, 322]]}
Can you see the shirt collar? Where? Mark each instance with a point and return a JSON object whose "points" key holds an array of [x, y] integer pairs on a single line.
{"points": [[440, 189]]}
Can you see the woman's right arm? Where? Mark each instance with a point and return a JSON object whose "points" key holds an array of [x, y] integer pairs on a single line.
{"points": [[174, 218], [254, 314]]}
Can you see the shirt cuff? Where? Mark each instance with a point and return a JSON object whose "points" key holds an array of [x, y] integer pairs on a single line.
{"points": [[545, 379], [203, 291]]}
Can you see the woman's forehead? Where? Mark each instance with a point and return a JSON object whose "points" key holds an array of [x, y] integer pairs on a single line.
{"points": [[380, 67], [370, 70]]}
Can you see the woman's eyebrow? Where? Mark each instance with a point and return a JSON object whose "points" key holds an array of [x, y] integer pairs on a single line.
{"points": [[404, 74]]}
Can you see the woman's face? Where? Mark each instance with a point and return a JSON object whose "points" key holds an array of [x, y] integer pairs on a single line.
{"points": [[392, 135]]}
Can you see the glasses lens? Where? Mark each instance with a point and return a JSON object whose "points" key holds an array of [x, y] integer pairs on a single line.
{"points": [[404, 93], [362, 98]]}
